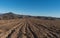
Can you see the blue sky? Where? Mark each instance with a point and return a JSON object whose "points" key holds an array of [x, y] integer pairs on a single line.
{"points": [[31, 7]]}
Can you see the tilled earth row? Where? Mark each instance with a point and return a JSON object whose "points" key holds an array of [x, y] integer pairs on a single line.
{"points": [[31, 28]]}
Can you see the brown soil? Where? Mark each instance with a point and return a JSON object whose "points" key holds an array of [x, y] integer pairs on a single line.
{"points": [[29, 28]]}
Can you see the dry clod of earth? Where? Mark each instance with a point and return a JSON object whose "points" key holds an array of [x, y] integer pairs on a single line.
{"points": [[29, 28]]}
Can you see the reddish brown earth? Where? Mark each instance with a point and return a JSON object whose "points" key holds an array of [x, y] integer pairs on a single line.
{"points": [[29, 28]]}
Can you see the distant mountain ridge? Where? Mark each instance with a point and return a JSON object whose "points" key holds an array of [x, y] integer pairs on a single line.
{"points": [[11, 15]]}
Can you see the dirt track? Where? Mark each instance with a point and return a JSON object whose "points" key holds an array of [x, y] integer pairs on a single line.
{"points": [[29, 28]]}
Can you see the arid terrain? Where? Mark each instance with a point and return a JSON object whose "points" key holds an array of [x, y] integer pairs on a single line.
{"points": [[28, 27]]}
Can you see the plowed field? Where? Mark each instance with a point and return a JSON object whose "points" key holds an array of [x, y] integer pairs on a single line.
{"points": [[29, 28]]}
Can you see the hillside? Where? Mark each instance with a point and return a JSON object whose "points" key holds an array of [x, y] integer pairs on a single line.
{"points": [[24, 26], [11, 15]]}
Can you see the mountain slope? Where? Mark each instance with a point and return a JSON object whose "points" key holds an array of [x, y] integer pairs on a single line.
{"points": [[11, 15]]}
